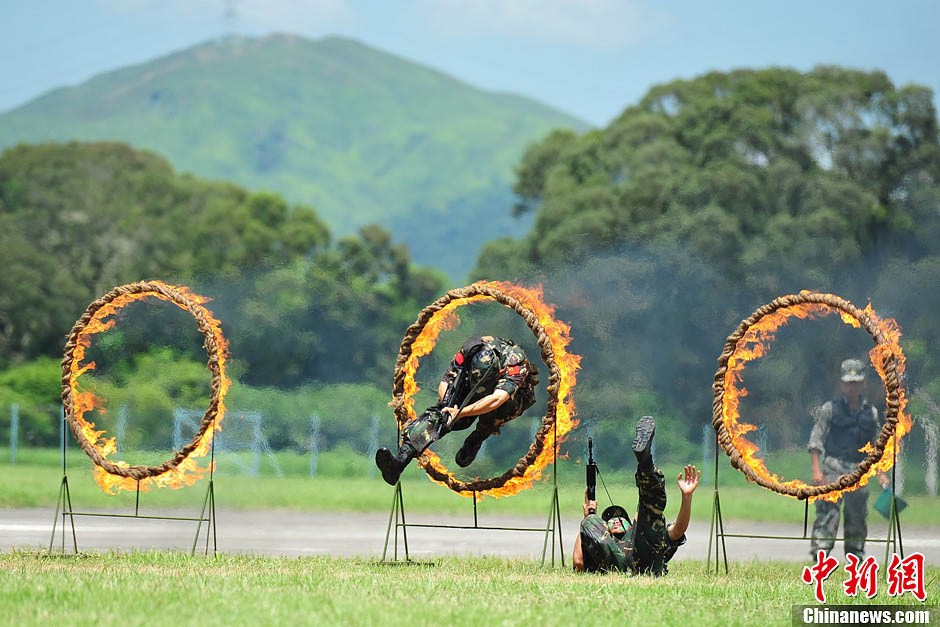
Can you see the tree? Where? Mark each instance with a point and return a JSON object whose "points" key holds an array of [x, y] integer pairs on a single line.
{"points": [[750, 169], [80, 218]]}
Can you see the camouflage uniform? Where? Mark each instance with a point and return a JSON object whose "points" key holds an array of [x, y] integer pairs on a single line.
{"points": [[516, 376], [838, 433], [645, 547]]}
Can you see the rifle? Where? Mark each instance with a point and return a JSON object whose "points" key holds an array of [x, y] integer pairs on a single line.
{"points": [[454, 390], [460, 388], [591, 475]]}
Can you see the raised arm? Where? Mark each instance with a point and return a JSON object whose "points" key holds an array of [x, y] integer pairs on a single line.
{"points": [[688, 481], [577, 559]]}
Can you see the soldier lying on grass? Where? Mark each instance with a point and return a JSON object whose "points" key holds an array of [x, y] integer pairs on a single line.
{"points": [[607, 542]]}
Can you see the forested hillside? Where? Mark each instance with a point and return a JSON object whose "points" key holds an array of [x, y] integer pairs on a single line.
{"points": [[361, 135]]}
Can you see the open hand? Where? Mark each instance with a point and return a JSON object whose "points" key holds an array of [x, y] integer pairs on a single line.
{"points": [[688, 479], [451, 413]]}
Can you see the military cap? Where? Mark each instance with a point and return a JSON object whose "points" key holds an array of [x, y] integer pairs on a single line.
{"points": [[853, 370], [614, 511]]}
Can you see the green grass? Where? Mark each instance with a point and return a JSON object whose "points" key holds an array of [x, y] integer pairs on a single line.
{"points": [[344, 485], [170, 588]]}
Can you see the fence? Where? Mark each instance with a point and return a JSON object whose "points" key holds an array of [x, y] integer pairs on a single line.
{"points": [[244, 433]]}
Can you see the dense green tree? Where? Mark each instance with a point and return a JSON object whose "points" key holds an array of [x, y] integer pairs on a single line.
{"points": [[750, 169], [34, 388], [78, 219], [336, 317]]}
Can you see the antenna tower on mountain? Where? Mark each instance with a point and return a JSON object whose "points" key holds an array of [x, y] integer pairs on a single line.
{"points": [[230, 17]]}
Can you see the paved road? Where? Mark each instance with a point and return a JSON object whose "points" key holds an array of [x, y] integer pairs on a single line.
{"points": [[299, 534]]}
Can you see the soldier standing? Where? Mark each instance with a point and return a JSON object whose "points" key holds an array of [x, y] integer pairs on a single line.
{"points": [[606, 543], [491, 379], [842, 427]]}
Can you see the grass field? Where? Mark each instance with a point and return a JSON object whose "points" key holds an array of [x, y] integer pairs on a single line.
{"points": [[169, 588], [34, 482]]}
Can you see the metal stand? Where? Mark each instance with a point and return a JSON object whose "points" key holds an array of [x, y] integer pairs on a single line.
{"points": [[64, 504], [552, 527], [717, 533], [894, 522]]}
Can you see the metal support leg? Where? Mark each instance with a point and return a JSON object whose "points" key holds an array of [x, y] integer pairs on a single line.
{"points": [[553, 528], [894, 521], [215, 539], [211, 522], [894, 542], [716, 530], [404, 527], [475, 522], [805, 517], [392, 514], [711, 535], [202, 516], [721, 531], [716, 534], [396, 520], [561, 544], [64, 505], [897, 523], [55, 519]]}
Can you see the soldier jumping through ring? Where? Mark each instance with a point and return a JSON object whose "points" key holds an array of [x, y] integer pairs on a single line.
{"points": [[607, 543], [489, 380]]}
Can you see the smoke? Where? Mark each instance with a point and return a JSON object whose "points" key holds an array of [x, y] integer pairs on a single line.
{"points": [[650, 322]]}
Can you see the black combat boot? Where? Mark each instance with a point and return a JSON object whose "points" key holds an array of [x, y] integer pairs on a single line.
{"points": [[393, 465], [645, 430], [471, 446]]}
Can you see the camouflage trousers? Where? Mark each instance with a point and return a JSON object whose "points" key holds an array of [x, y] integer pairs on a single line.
{"points": [[432, 425], [855, 503], [646, 548], [651, 545]]}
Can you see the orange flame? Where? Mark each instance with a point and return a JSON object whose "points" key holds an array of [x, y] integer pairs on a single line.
{"points": [[560, 336], [756, 343], [187, 472]]}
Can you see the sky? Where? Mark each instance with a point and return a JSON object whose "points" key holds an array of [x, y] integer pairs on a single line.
{"points": [[589, 58]]}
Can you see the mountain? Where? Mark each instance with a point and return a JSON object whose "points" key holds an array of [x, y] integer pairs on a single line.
{"points": [[362, 135]]}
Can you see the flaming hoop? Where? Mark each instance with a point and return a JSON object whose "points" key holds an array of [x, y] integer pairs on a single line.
{"points": [[751, 340], [553, 336], [182, 470]]}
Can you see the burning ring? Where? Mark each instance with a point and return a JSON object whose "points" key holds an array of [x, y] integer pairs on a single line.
{"points": [[182, 469], [552, 335], [751, 341]]}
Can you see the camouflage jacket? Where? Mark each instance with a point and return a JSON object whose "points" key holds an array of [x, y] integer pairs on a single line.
{"points": [[514, 368], [602, 551]]}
